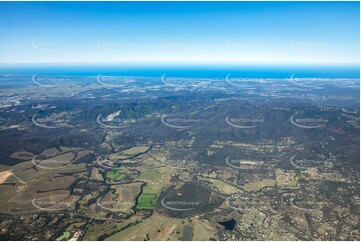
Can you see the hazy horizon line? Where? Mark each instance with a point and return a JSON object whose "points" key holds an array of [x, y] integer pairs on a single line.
{"points": [[168, 63]]}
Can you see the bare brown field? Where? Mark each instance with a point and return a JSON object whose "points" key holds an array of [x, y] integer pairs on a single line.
{"points": [[4, 175], [28, 180], [122, 199], [157, 227]]}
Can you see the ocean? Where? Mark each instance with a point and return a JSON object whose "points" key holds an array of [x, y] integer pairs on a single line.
{"points": [[186, 70]]}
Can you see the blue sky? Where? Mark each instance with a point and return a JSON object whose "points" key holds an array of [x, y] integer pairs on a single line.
{"points": [[247, 32]]}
